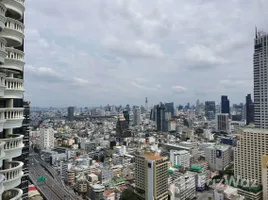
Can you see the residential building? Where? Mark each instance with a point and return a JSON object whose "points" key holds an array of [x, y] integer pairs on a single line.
{"points": [[181, 158], [260, 80], [252, 144], [218, 157], [151, 177], [222, 122], [95, 191], [47, 138], [264, 175], [11, 97]]}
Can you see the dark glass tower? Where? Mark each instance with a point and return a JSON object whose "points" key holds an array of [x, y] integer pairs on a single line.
{"points": [[160, 117], [25, 151], [70, 113], [225, 104], [170, 108], [210, 110], [249, 110]]}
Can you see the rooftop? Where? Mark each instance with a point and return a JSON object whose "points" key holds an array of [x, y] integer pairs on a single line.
{"points": [[151, 156], [255, 130]]}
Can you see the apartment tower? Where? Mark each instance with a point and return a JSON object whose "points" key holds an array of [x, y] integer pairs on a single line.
{"points": [[11, 97], [252, 144], [260, 80], [151, 176]]}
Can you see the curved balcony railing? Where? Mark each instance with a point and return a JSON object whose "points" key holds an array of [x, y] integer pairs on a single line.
{"points": [[13, 194], [13, 145], [13, 113], [2, 179], [14, 83], [12, 174], [14, 59], [3, 10], [13, 32], [16, 7]]}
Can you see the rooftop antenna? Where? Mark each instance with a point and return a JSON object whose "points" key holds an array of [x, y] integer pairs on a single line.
{"points": [[256, 32]]}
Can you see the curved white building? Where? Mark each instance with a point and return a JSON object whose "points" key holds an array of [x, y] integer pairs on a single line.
{"points": [[11, 97]]}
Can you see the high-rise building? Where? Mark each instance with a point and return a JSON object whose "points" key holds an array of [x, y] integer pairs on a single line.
{"points": [[210, 110], [197, 108], [151, 176], [122, 128], [11, 97], [249, 110], [222, 122], [126, 115], [136, 116], [47, 138], [70, 113], [260, 80], [225, 104], [160, 117], [264, 172], [170, 108], [25, 151], [252, 144]]}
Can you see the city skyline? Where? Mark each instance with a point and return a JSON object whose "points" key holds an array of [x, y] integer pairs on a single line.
{"points": [[83, 53]]}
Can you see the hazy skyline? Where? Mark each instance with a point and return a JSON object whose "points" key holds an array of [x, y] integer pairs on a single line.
{"points": [[101, 51]]}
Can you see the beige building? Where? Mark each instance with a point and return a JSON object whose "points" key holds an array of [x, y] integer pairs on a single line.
{"points": [[264, 172], [151, 176], [252, 144]]}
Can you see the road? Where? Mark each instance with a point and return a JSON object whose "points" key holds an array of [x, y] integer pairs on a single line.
{"points": [[51, 189]]}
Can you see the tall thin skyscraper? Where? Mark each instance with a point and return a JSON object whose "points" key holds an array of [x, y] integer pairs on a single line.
{"points": [[260, 80], [146, 104], [70, 113], [210, 110], [11, 98], [225, 104], [249, 109]]}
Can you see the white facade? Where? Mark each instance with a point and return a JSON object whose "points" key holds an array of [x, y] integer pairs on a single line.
{"points": [[260, 80], [218, 156], [11, 87], [181, 158], [183, 188], [47, 138], [172, 125], [136, 116], [120, 150], [222, 122]]}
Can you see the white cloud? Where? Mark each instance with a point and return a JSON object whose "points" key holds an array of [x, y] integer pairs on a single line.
{"points": [[133, 49], [178, 89]]}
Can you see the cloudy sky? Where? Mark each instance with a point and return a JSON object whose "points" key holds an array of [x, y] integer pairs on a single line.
{"points": [[96, 52]]}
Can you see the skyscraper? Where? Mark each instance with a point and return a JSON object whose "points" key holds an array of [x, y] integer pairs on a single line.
{"points": [[70, 113], [225, 104], [151, 177], [25, 151], [260, 79], [249, 109], [136, 116], [170, 108], [210, 110], [222, 123], [11, 97], [160, 117]]}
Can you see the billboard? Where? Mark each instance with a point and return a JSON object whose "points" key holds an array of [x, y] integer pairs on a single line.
{"points": [[218, 153]]}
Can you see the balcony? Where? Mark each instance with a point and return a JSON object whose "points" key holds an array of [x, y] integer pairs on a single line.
{"points": [[13, 174], [2, 153], [2, 16], [2, 84], [14, 59], [13, 32], [16, 8], [14, 88], [13, 145], [14, 117], [13, 194], [3, 52], [2, 179]]}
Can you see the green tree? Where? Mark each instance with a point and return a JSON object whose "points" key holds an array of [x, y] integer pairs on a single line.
{"points": [[128, 194], [209, 198]]}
